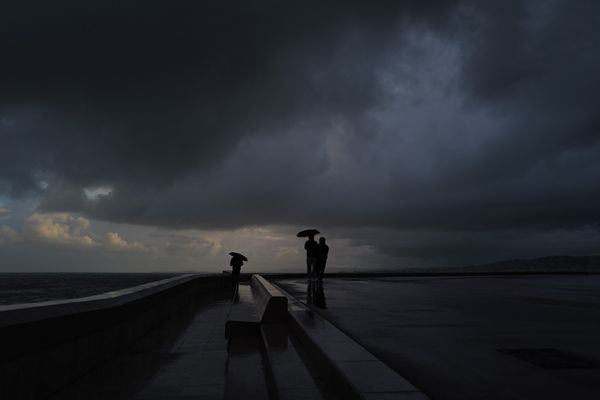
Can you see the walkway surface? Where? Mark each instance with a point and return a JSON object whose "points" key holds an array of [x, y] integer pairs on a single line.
{"points": [[184, 360], [521, 337]]}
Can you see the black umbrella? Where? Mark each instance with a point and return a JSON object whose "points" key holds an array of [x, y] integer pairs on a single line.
{"points": [[308, 232], [234, 254]]}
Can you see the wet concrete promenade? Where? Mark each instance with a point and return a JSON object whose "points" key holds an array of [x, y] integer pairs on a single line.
{"points": [[504, 337], [186, 360], [492, 337]]}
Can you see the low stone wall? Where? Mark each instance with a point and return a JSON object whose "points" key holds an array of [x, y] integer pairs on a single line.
{"points": [[44, 346]]}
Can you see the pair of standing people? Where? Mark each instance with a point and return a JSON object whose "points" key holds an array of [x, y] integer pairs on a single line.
{"points": [[316, 257]]}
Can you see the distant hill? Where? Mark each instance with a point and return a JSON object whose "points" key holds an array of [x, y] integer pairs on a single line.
{"points": [[543, 264]]}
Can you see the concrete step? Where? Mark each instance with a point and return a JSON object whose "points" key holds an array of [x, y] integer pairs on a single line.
{"points": [[288, 376], [259, 336], [243, 319], [245, 373], [353, 371]]}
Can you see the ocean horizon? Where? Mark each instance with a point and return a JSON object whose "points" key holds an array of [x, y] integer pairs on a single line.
{"points": [[34, 287]]}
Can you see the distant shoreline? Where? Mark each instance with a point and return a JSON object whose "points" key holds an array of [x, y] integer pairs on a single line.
{"points": [[546, 264]]}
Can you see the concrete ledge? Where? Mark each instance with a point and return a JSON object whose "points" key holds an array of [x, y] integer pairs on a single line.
{"points": [[260, 302], [44, 346], [355, 371], [286, 372], [14, 314], [242, 319], [270, 302]]}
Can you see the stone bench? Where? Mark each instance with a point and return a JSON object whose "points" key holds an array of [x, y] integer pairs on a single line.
{"points": [[260, 302]]}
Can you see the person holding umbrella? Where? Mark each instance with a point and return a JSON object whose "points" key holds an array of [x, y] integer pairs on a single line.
{"points": [[311, 250], [237, 260]]}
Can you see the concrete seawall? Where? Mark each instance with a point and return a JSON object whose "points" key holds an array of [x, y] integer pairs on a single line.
{"points": [[44, 346]]}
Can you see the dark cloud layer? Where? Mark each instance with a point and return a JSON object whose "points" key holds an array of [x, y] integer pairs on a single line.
{"points": [[124, 93], [404, 115]]}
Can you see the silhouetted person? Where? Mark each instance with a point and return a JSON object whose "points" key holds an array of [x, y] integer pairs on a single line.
{"points": [[311, 255], [321, 257], [236, 266]]}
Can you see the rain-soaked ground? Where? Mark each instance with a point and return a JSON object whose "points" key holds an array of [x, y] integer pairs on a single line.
{"points": [[520, 337], [183, 360], [505, 337]]}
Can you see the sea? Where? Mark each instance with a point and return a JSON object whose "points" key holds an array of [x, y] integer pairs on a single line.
{"points": [[16, 288]]}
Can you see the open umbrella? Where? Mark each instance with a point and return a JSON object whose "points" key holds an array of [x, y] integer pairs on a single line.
{"points": [[308, 232], [234, 254]]}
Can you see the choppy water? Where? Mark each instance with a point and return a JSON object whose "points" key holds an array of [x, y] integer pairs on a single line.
{"points": [[34, 287]]}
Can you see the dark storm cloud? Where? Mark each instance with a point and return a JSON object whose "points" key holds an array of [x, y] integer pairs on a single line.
{"points": [[535, 64], [118, 92], [451, 116]]}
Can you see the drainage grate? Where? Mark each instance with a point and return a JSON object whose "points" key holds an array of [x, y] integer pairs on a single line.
{"points": [[552, 358]]}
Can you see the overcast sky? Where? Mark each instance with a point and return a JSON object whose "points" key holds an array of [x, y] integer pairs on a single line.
{"points": [[160, 135]]}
